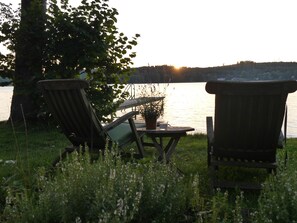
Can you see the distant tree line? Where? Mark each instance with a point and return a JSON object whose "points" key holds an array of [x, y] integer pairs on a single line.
{"points": [[241, 71]]}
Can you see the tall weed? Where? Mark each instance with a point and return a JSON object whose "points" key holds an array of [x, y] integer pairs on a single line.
{"points": [[108, 190], [278, 199]]}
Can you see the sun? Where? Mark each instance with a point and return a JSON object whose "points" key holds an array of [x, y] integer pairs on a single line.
{"points": [[176, 67]]}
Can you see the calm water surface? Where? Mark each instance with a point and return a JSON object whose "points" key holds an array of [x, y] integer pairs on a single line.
{"points": [[186, 104], [5, 100]]}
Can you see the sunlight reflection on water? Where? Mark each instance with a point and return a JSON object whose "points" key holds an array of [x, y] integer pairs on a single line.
{"points": [[187, 104]]}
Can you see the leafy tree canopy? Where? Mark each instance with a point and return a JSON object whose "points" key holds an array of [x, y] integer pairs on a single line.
{"points": [[82, 39]]}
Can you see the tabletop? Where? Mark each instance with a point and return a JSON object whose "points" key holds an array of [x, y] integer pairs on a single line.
{"points": [[166, 131]]}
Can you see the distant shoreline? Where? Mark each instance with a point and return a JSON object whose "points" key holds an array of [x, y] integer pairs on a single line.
{"points": [[247, 70]]}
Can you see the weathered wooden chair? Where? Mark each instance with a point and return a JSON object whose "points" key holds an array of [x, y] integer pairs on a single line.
{"points": [[247, 126], [66, 100]]}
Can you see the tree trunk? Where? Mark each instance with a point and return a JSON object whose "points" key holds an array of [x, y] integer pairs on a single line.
{"points": [[28, 68]]}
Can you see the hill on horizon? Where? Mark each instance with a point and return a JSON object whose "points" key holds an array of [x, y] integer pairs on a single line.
{"points": [[244, 70]]}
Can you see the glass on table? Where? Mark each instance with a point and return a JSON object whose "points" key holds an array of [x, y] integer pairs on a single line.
{"points": [[163, 125]]}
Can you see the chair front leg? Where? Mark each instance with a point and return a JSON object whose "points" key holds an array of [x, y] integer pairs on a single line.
{"points": [[137, 138]]}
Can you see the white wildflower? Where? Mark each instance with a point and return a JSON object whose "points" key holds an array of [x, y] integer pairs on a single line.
{"points": [[78, 220], [10, 162]]}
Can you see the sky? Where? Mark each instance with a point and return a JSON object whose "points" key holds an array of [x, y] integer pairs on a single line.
{"points": [[207, 33]]}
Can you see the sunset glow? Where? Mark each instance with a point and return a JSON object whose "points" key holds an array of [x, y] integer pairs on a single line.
{"points": [[210, 33], [176, 67]]}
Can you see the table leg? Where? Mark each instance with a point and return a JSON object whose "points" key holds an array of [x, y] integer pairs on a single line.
{"points": [[168, 150], [159, 148], [161, 141]]}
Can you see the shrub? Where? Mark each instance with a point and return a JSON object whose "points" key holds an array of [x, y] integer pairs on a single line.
{"points": [[224, 208], [278, 200], [108, 190]]}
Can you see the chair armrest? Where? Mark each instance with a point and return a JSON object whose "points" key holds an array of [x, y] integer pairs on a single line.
{"points": [[209, 130], [210, 138], [120, 120]]}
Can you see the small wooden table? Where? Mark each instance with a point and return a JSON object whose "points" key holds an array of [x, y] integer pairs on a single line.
{"points": [[174, 132]]}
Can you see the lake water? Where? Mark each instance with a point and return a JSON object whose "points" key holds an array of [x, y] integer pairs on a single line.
{"points": [[5, 100], [186, 104]]}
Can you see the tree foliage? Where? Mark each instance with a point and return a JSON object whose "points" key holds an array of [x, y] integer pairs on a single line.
{"points": [[82, 39], [9, 20]]}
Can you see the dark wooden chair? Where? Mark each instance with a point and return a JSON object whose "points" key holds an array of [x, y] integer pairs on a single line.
{"points": [[247, 126], [66, 100]]}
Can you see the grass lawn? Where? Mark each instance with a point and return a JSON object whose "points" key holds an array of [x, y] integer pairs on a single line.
{"points": [[22, 153]]}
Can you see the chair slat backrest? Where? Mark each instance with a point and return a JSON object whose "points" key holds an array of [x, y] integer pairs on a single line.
{"points": [[249, 117], [67, 101]]}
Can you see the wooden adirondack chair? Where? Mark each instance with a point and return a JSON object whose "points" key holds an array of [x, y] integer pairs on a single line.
{"points": [[247, 126], [66, 99]]}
